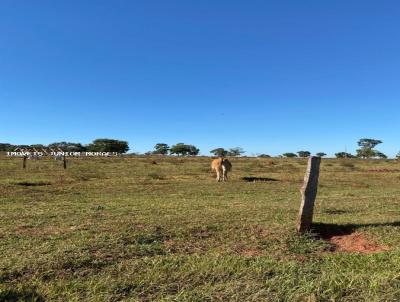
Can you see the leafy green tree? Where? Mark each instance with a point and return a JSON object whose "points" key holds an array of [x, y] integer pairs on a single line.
{"points": [[108, 145], [26, 147], [398, 155], [321, 154], [344, 155], [289, 155], [182, 149], [221, 152], [161, 148], [67, 147], [38, 146], [193, 151], [365, 153], [235, 151], [7, 147], [264, 155], [178, 149], [304, 153], [367, 146], [380, 155], [368, 143]]}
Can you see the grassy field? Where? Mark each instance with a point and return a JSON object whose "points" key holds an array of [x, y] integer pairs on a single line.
{"points": [[125, 229]]}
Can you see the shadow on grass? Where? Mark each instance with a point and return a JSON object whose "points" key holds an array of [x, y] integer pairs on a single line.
{"points": [[334, 211], [258, 179], [33, 183], [328, 230], [27, 294]]}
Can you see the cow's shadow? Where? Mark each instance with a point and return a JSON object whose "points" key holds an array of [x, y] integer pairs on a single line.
{"points": [[258, 179]]}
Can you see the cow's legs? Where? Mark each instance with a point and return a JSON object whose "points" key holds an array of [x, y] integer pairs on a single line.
{"points": [[218, 175], [224, 174]]}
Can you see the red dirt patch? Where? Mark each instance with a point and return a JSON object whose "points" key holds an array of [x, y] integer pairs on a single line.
{"points": [[355, 243], [251, 253], [346, 238]]}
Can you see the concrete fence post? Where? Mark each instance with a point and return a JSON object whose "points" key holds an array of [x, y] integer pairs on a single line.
{"points": [[308, 195]]}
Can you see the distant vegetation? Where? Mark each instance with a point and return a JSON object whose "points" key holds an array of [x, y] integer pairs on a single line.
{"points": [[366, 149], [231, 152], [219, 152], [98, 145], [344, 155], [161, 148], [304, 153], [108, 145], [183, 149], [289, 155]]}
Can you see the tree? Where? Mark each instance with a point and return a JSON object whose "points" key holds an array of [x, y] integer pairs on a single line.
{"points": [[321, 154], [108, 145], [178, 149], [367, 147], [365, 153], [7, 147], [398, 155], [368, 143], [183, 149], [304, 153], [193, 150], [380, 155], [264, 155], [161, 148], [344, 155], [235, 151], [26, 147], [221, 152], [289, 155], [38, 146], [67, 147]]}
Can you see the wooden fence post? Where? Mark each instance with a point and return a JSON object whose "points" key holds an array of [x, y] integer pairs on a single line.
{"points": [[308, 195], [65, 162], [24, 162]]}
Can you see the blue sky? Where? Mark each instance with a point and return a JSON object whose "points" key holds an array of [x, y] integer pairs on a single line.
{"points": [[268, 76]]}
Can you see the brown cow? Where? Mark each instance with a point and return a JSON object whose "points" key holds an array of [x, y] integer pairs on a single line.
{"points": [[221, 166]]}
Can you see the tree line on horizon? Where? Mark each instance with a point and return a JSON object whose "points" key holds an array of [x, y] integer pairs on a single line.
{"points": [[98, 145], [366, 149]]}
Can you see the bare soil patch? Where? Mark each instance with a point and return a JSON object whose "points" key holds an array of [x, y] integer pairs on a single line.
{"points": [[251, 253], [347, 239], [356, 243]]}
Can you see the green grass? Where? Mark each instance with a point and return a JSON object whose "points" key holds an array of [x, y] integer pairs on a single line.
{"points": [[125, 229]]}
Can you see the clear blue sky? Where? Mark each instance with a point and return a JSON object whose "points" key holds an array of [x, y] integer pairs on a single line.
{"points": [[268, 76]]}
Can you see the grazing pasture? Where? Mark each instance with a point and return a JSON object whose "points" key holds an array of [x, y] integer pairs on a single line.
{"points": [[162, 229]]}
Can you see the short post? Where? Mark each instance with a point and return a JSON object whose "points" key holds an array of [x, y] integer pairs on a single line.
{"points": [[308, 195], [65, 162], [24, 162]]}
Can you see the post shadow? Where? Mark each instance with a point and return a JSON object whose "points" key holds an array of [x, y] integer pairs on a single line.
{"points": [[329, 230]]}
